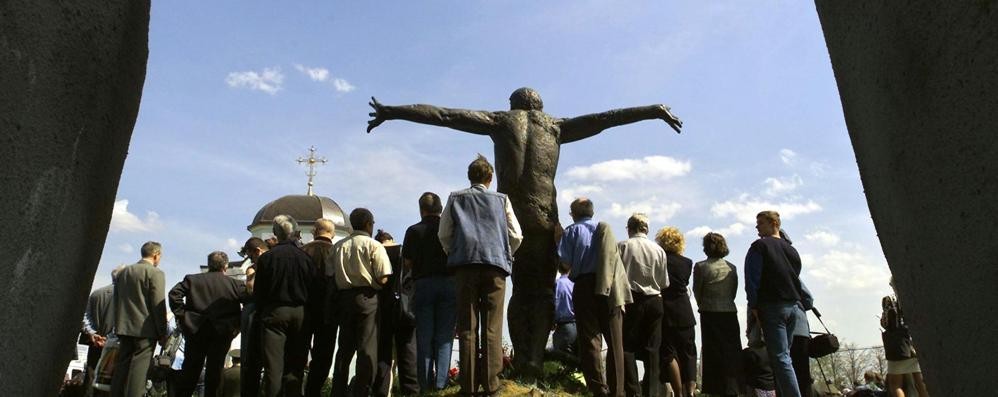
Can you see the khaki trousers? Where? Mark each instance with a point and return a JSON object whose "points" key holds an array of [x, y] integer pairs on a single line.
{"points": [[481, 290], [596, 321]]}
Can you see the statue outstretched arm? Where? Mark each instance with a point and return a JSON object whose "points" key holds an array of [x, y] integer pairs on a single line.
{"points": [[472, 121], [582, 127]]}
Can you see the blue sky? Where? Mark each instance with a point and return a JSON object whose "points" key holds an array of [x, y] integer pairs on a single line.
{"points": [[236, 91]]}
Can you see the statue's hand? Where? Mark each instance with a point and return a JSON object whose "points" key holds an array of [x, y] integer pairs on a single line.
{"points": [[671, 119], [378, 115]]}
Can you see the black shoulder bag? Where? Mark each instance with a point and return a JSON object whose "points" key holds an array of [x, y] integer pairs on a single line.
{"points": [[822, 343]]}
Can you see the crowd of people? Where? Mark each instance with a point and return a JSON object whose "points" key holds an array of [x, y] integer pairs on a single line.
{"points": [[397, 307]]}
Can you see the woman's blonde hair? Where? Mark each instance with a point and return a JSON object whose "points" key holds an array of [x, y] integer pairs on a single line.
{"points": [[671, 240]]}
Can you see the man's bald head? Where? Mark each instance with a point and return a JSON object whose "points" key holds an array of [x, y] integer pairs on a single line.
{"points": [[525, 99]]}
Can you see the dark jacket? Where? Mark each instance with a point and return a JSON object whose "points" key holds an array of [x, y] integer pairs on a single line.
{"points": [[230, 385], [285, 276], [208, 300], [675, 297], [772, 269], [321, 304], [422, 246]]}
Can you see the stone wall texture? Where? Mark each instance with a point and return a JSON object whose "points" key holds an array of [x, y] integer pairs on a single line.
{"points": [[918, 81], [71, 76]]}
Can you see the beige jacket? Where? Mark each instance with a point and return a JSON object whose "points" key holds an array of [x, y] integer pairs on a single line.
{"points": [[611, 279]]}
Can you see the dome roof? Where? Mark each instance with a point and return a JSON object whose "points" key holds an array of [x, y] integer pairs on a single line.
{"points": [[305, 209]]}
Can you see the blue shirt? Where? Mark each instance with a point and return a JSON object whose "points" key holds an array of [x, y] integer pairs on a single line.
{"points": [[575, 248], [563, 312]]}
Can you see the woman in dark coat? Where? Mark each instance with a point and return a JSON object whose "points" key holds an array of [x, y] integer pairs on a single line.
{"points": [[678, 353], [715, 283]]}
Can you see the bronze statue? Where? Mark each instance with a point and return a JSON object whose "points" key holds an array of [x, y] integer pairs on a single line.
{"points": [[527, 144]]}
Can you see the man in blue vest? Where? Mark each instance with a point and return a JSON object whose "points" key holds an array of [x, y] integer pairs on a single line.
{"points": [[480, 233]]}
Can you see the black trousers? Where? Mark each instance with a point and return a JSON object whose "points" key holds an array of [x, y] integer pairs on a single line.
{"points": [[252, 362], [802, 365], [204, 350], [132, 366], [642, 339], [93, 356], [323, 346], [358, 323], [596, 321], [397, 336], [284, 350]]}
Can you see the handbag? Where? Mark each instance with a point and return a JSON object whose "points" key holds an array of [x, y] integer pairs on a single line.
{"points": [[822, 343]]}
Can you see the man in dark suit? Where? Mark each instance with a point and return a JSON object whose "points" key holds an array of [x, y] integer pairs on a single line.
{"points": [[207, 310], [230, 378], [284, 279], [321, 308], [140, 320]]}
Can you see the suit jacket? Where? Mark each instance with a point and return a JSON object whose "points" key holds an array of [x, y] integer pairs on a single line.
{"points": [[229, 387], [140, 301], [208, 300], [322, 301], [611, 278]]}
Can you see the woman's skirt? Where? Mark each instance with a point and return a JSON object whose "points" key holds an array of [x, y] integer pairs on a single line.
{"points": [[901, 367], [722, 347]]}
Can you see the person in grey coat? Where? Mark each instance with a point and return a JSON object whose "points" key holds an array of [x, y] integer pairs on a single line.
{"points": [[139, 320]]}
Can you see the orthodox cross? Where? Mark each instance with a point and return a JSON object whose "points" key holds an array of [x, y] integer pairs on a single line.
{"points": [[312, 161]]}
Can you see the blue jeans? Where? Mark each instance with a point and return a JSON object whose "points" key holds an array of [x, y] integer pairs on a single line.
{"points": [[564, 337], [435, 307], [778, 323]]}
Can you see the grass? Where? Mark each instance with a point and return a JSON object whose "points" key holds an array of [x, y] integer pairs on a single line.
{"points": [[557, 380]]}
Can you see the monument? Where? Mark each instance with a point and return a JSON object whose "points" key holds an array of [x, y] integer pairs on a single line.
{"points": [[71, 74], [919, 91], [527, 145]]}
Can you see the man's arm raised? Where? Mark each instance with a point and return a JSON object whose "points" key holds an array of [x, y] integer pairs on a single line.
{"points": [[582, 127], [473, 121]]}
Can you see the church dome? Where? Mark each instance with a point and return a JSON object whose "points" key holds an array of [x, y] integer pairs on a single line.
{"points": [[306, 209]]}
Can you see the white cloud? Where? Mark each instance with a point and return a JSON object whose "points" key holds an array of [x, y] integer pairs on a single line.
{"points": [[822, 237], [322, 75], [656, 212], [648, 168], [788, 156], [574, 192], [316, 74], [232, 244], [839, 269], [126, 248], [342, 85], [124, 221], [745, 208], [269, 80], [734, 229], [778, 186]]}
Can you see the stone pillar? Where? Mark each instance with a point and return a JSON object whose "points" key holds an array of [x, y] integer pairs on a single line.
{"points": [[918, 81], [71, 75]]}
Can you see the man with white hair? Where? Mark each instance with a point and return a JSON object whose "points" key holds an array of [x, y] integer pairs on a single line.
{"points": [[647, 271], [284, 280]]}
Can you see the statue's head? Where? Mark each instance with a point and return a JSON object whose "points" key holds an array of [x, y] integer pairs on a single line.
{"points": [[526, 99]]}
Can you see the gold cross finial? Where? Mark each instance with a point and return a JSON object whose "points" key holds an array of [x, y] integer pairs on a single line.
{"points": [[312, 161]]}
